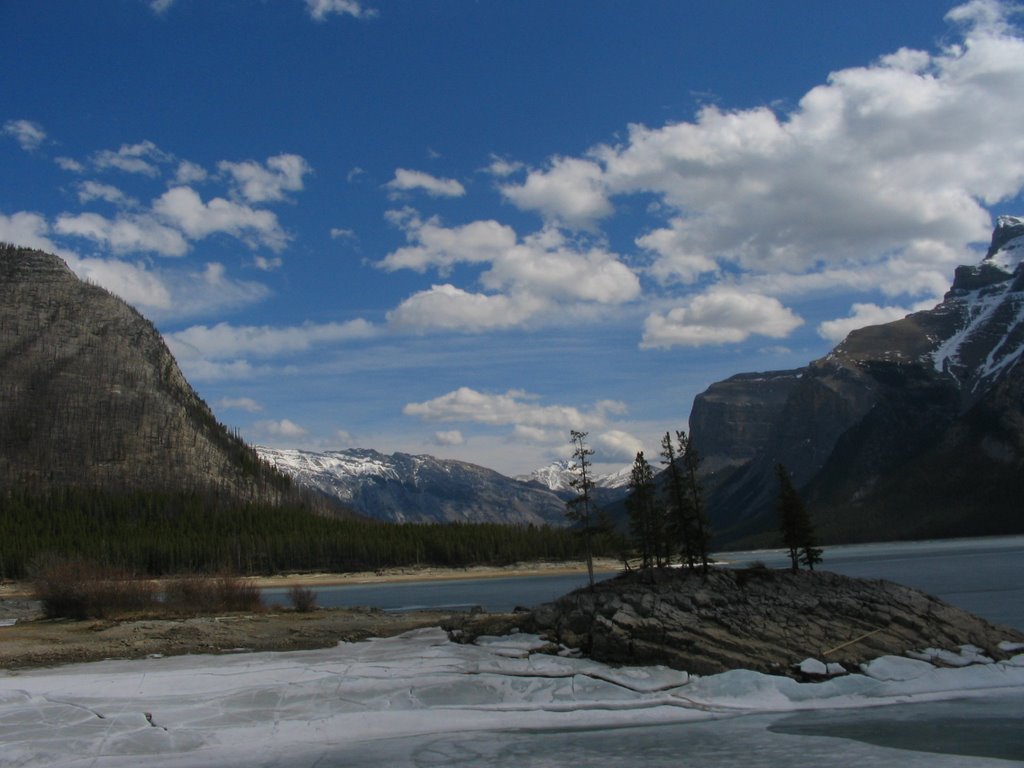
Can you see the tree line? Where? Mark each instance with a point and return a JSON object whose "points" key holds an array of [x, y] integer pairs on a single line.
{"points": [[156, 533]]}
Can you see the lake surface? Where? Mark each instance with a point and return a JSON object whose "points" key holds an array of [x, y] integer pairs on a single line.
{"points": [[984, 576]]}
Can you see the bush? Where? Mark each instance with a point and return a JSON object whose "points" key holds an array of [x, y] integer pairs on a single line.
{"points": [[195, 593], [78, 589], [303, 599]]}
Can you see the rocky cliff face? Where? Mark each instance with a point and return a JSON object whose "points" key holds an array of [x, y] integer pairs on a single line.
{"points": [[91, 397], [908, 429], [418, 489]]}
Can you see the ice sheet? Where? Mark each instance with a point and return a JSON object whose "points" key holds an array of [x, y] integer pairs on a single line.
{"points": [[293, 708]]}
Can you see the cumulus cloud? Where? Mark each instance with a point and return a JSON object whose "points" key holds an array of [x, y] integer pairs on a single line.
{"points": [[224, 340], [721, 315], [571, 191], [617, 445], [449, 437], [321, 9], [29, 230], [126, 233], [184, 209], [160, 6], [169, 294], [280, 428], [267, 182], [406, 180], [29, 135], [905, 150], [514, 407], [863, 315], [445, 307], [240, 404], [143, 158], [189, 173], [93, 190], [69, 164], [339, 233], [526, 278]]}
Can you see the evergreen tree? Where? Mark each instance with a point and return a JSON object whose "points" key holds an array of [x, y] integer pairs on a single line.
{"points": [[699, 537], [643, 513], [581, 509], [677, 501], [797, 527]]}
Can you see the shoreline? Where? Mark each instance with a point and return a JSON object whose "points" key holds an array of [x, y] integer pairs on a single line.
{"points": [[22, 590]]}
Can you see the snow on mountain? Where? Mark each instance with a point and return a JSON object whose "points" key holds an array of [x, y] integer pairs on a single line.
{"points": [[558, 475], [987, 302], [421, 489]]}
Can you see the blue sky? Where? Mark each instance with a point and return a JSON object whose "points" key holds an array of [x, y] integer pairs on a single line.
{"points": [[465, 228]]}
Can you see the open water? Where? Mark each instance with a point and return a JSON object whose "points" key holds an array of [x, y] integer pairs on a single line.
{"points": [[984, 576]]}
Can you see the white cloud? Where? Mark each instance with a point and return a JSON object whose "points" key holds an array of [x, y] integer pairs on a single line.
{"points": [[29, 230], [513, 408], [502, 168], [126, 233], [616, 445], [863, 315], [240, 404], [224, 340], [905, 150], [69, 164], [171, 294], [29, 135], [722, 315], [143, 158], [281, 428], [189, 173], [262, 183], [268, 265], [571, 192], [338, 233], [445, 307], [449, 437], [182, 208], [160, 6], [406, 180], [321, 9], [443, 247], [93, 190], [527, 279]]}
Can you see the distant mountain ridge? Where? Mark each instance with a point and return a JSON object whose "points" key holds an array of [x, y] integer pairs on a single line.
{"points": [[91, 398], [913, 428], [421, 489]]}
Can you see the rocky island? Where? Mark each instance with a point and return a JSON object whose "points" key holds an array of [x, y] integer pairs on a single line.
{"points": [[766, 620]]}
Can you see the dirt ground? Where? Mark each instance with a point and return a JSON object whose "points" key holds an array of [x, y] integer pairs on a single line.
{"points": [[36, 642]]}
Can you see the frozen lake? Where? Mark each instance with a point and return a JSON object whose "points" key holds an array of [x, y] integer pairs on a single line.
{"points": [[419, 700]]}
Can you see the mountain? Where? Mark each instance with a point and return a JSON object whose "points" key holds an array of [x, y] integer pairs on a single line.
{"points": [[910, 429], [90, 397], [419, 489]]}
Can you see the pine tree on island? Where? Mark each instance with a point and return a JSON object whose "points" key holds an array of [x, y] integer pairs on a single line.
{"points": [[581, 508], [684, 499], [645, 518], [796, 524]]}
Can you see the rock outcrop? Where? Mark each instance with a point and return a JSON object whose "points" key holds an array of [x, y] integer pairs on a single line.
{"points": [[90, 397], [761, 619]]}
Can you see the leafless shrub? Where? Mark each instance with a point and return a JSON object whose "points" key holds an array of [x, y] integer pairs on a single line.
{"points": [[303, 599], [196, 594], [78, 589]]}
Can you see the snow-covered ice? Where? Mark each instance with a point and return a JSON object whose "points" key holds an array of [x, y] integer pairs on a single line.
{"points": [[393, 696]]}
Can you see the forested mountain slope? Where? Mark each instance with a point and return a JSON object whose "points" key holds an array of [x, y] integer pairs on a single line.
{"points": [[90, 397]]}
